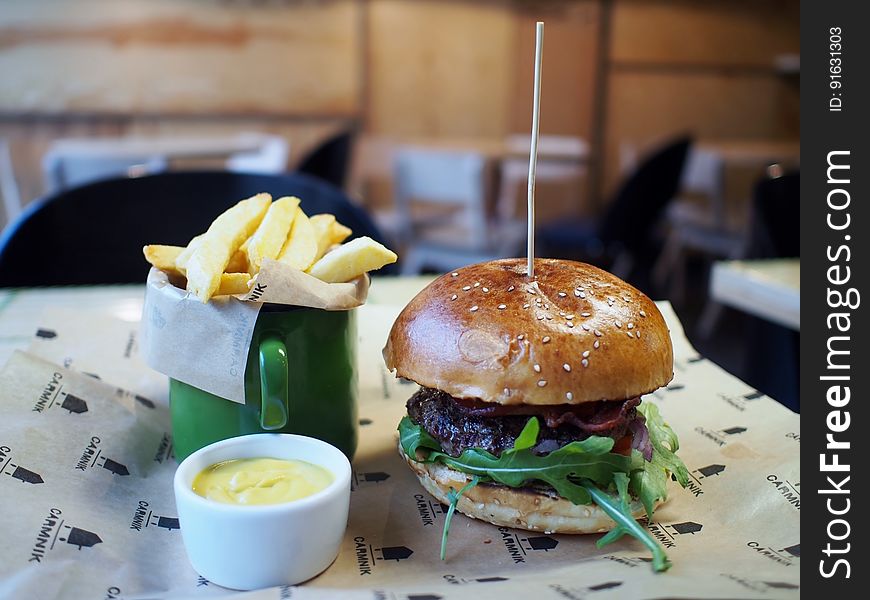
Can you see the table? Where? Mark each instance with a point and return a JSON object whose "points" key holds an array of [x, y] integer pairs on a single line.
{"points": [[732, 439], [765, 288]]}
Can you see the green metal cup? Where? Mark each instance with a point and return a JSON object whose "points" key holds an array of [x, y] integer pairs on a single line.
{"points": [[301, 377]]}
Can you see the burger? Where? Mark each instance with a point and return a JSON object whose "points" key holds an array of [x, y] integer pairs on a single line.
{"points": [[529, 412]]}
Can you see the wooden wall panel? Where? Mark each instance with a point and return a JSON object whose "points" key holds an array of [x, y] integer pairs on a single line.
{"points": [[440, 68], [180, 57], [644, 107], [568, 74], [718, 32]]}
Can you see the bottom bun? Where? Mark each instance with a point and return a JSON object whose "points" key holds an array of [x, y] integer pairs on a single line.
{"points": [[521, 508]]}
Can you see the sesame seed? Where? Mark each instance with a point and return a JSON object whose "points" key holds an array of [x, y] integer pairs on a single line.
{"points": [[454, 274], [562, 294], [507, 392], [582, 295], [585, 362], [542, 383], [567, 367], [537, 368], [549, 318], [466, 288], [454, 297], [585, 315], [577, 293], [642, 313], [547, 306], [502, 306], [597, 333], [569, 323], [540, 317], [626, 298], [585, 327], [476, 284], [631, 325], [637, 334], [511, 288], [474, 308], [485, 290], [546, 339], [569, 317], [618, 324], [569, 395], [586, 354], [520, 336], [531, 291], [629, 334], [526, 305], [596, 344]]}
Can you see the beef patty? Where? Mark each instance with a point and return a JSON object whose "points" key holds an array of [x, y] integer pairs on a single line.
{"points": [[460, 424]]}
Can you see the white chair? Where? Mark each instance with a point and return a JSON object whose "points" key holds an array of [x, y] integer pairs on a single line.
{"points": [[73, 162], [560, 159], [456, 229]]}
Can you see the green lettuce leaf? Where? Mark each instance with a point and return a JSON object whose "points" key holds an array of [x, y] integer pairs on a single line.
{"points": [[651, 483], [562, 469]]}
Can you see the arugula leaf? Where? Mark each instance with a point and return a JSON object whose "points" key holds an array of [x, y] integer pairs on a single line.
{"points": [[453, 496], [651, 483], [620, 512], [588, 459]]}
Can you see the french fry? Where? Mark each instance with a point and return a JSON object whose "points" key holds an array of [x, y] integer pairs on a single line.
{"points": [[352, 260], [301, 246], [233, 283], [340, 233], [223, 238], [182, 259], [270, 236], [238, 263], [322, 225], [163, 257]]}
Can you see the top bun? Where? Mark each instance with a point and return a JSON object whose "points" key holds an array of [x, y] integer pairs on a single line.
{"points": [[573, 334]]}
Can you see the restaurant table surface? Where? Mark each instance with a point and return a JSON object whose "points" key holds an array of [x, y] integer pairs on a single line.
{"points": [[770, 289], [731, 535]]}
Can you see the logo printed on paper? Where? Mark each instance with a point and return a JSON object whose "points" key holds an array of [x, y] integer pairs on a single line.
{"points": [[22, 474], [666, 534], [518, 551], [46, 334], [720, 436], [740, 402], [696, 486], [53, 529], [92, 456], [456, 580], [164, 450], [761, 586], [790, 491], [358, 479], [628, 561], [783, 556], [144, 517]]}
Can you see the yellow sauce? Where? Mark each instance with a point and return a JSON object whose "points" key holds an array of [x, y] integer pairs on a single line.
{"points": [[259, 481]]}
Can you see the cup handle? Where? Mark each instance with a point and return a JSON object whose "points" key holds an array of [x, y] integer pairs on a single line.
{"points": [[274, 384]]}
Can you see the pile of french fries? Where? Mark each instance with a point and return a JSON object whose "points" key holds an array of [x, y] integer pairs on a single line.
{"points": [[225, 259]]}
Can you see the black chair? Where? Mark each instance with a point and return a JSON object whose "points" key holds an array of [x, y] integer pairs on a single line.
{"points": [[94, 234], [330, 161], [624, 234], [773, 351]]}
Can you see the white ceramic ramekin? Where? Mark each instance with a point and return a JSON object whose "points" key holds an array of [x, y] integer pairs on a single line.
{"points": [[252, 547]]}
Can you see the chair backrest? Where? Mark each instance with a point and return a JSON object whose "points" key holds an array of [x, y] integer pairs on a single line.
{"points": [[72, 162], [331, 160], [774, 230], [94, 234], [633, 213]]}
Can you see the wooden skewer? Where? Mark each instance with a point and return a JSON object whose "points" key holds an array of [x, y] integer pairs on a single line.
{"points": [[533, 154]]}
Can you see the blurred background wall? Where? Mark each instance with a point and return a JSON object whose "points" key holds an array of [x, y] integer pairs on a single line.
{"points": [[620, 74]]}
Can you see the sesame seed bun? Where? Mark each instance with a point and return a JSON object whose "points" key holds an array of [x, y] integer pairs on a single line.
{"points": [[523, 508], [574, 334]]}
